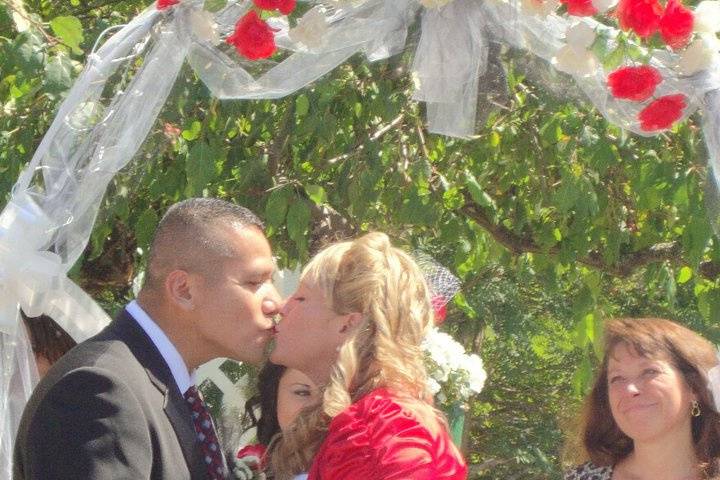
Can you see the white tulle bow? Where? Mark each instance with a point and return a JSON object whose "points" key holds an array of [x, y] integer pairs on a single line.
{"points": [[27, 271], [450, 58]]}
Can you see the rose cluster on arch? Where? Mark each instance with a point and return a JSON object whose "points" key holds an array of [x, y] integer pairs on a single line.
{"points": [[690, 34], [253, 38]]}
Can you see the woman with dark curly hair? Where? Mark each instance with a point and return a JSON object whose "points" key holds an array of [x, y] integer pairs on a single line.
{"points": [[650, 414], [282, 393]]}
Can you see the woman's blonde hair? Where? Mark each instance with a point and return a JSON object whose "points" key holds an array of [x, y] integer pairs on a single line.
{"points": [[384, 284]]}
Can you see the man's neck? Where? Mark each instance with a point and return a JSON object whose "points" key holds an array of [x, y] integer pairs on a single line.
{"points": [[176, 331]]}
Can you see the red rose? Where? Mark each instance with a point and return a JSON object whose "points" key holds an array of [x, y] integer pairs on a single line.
{"points": [[634, 83], [676, 24], [163, 4], [662, 113], [438, 303], [580, 8], [642, 16], [283, 6], [253, 38], [250, 452]]}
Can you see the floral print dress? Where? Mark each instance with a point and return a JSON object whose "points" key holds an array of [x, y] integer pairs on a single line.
{"points": [[589, 471]]}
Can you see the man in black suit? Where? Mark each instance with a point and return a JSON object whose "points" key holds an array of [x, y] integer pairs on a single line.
{"points": [[123, 404]]}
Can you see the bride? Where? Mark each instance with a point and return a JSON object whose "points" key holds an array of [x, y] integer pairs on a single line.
{"points": [[355, 326]]}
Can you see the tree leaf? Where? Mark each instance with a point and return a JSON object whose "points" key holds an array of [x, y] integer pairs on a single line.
{"points": [[215, 5], [58, 74], [70, 31], [685, 274], [302, 105], [478, 195], [277, 206], [145, 228], [200, 166], [193, 132], [298, 219], [316, 193]]}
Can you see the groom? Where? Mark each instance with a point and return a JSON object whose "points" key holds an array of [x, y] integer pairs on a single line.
{"points": [[123, 404]]}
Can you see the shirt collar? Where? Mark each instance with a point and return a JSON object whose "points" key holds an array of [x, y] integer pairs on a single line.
{"points": [[183, 378]]}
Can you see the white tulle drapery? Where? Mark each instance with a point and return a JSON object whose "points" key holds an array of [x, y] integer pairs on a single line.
{"points": [[110, 110]]}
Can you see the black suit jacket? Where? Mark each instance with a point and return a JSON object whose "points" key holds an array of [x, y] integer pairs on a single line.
{"points": [[109, 409]]}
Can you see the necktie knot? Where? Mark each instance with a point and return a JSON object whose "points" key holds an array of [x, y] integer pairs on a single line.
{"points": [[205, 434]]}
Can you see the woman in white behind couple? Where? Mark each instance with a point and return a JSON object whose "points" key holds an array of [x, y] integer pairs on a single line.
{"points": [[123, 404]]}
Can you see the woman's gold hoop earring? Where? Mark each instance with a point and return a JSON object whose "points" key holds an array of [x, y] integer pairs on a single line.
{"points": [[695, 412]]}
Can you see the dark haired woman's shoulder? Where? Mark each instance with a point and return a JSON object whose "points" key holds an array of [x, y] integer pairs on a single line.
{"points": [[589, 471]]}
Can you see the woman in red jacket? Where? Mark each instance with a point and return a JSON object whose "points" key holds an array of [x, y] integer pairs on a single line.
{"points": [[355, 325]]}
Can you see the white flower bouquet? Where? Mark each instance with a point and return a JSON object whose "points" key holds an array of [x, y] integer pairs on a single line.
{"points": [[454, 374]]}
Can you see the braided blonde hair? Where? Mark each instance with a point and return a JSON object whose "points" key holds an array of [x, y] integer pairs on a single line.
{"points": [[384, 284]]}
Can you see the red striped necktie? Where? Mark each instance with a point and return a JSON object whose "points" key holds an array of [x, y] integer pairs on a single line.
{"points": [[206, 436]]}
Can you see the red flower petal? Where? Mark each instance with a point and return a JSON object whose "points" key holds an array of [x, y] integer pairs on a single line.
{"points": [[253, 38], [642, 16], [283, 6], [634, 83], [676, 24], [256, 450], [163, 4], [439, 306], [580, 8], [662, 113]]}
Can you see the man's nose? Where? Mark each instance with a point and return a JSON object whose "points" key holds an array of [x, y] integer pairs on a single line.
{"points": [[269, 307], [272, 301]]}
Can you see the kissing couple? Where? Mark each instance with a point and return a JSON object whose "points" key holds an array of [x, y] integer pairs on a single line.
{"points": [[124, 405]]}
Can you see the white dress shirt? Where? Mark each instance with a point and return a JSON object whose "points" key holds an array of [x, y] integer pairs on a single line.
{"points": [[183, 378]]}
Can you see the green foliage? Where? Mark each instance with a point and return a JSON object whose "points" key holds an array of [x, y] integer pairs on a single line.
{"points": [[552, 218]]}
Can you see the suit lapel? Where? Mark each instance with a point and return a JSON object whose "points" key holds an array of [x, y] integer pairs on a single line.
{"points": [[174, 404]]}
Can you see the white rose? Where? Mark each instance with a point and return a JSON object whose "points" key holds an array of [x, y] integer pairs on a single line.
{"points": [[707, 17], [574, 62], [202, 24], [699, 55], [434, 386], [604, 5], [541, 8], [310, 29], [476, 373], [580, 36]]}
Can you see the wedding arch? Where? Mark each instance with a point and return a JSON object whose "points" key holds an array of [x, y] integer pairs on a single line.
{"points": [[108, 113]]}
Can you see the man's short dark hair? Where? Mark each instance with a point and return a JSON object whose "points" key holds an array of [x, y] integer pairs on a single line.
{"points": [[187, 236]]}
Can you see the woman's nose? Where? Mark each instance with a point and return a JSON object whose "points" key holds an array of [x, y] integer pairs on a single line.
{"points": [[632, 388]]}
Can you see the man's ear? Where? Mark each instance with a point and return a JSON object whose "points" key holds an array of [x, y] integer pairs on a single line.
{"points": [[350, 322], [178, 289]]}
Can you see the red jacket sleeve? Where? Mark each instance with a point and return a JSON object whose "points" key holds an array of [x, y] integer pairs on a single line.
{"points": [[378, 439]]}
